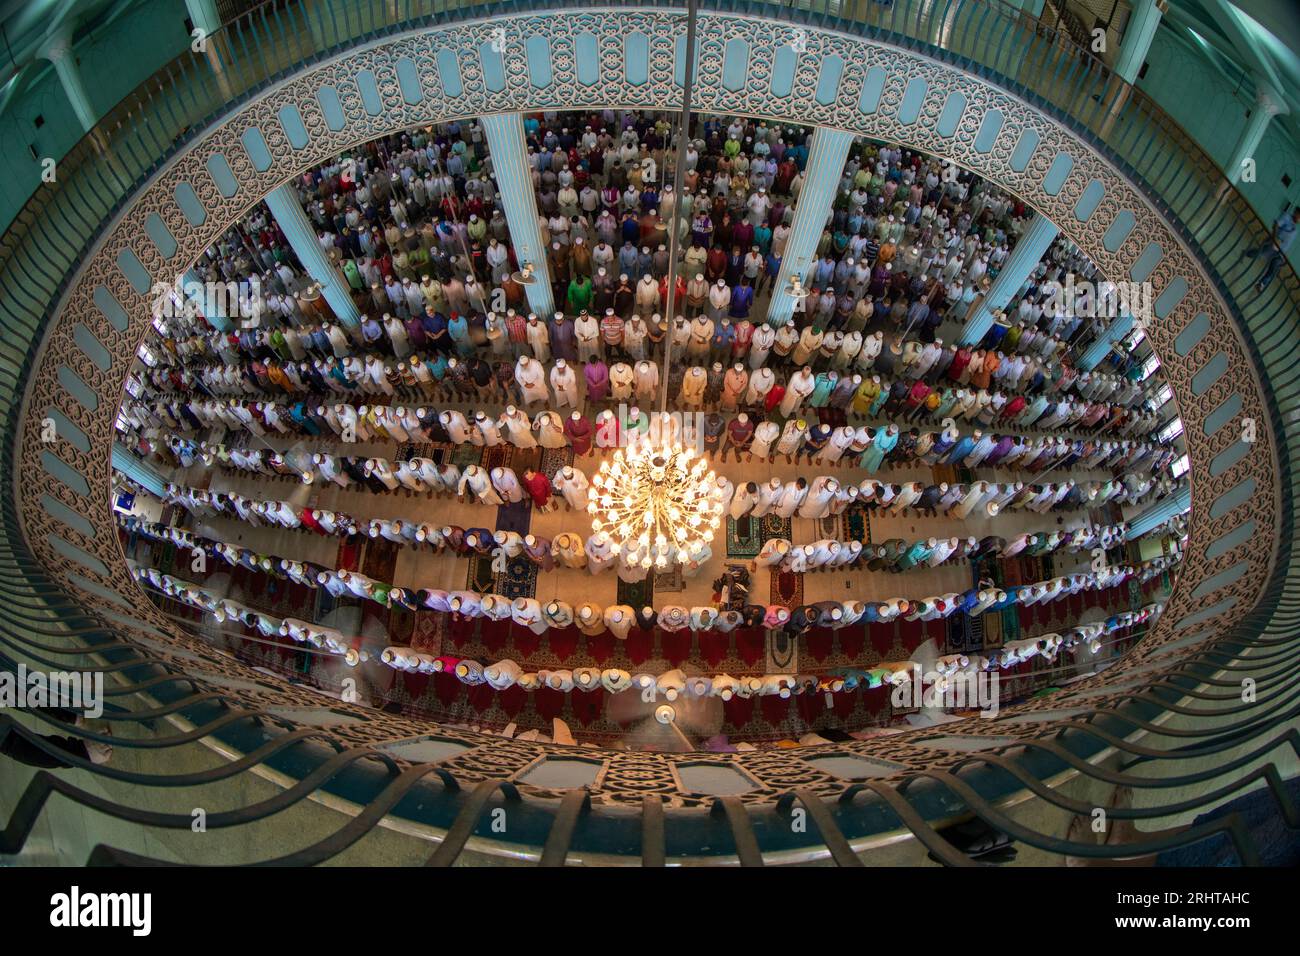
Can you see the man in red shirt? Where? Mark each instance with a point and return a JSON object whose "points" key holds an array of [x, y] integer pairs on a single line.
{"points": [[539, 489], [740, 434], [959, 363]]}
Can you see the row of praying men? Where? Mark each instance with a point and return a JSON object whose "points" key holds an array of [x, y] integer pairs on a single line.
{"points": [[943, 367], [697, 387], [467, 604], [671, 684], [895, 554]]}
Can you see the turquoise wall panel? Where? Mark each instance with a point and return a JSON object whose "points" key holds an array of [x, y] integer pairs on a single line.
{"points": [[1209, 373], [872, 86], [59, 470], [1057, 173], [1190, 337], [135, 272], [828, 83], [332, 109], [1169, 298], [494, 68], [78, 389], [990, 126], [1119, 230], [408, 81], [221, 173], [1234, 497], [368, 87], [1228, 410], [538, 51], [783, 64], [67, 431], [1024, 150], [115, 314], [160, 235], [1233, 539], [254, 144], [188, 201], [1229, 457], [1146, 263], [636, 58], [1092, 196], [1221, 580], [57, 510], [449, 72], [91, 347], [950, 116], [909, 111], [735, 64], [294, 128], [76, 555]]}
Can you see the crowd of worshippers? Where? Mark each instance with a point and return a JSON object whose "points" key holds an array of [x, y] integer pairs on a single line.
{"points": [[570, 549], [951, 228], [915, 391], [863, 447], [467, 605], [619, 620], [714, 363]]}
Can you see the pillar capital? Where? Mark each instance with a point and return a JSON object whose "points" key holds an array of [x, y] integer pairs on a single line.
{"points": [[57, 46], [1269, 100]]}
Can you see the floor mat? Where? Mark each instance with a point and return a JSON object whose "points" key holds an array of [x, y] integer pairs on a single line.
{"points": [[787, 589], [744, 537], [518, 580]]}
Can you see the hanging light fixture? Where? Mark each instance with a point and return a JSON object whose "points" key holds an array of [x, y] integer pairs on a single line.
{"points": [[795, 289], [525, 275], [659, 503]]}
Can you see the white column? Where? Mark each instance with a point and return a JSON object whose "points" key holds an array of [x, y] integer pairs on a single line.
{"points": [[1267, 105], [1143, 23], [60, 54]]}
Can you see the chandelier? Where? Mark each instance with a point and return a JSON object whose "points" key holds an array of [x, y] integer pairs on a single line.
{"points": [[658, 503]]}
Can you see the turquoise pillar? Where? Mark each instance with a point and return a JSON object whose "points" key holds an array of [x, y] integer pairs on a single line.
{"points": [[1143, 23], [297, 228], [1100, 348], [193, 287], [59, 53], [204, 15], [825, 166], [1016, 269], [1160, 512], [509, 152], [1267, 105], [138, 470]]}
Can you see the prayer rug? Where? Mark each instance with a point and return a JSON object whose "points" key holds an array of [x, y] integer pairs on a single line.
{"points": [[466, 455], [787, 589], [498, 456], [480, 578], [774, 526], [670, 580], [855, 524], [516, 517], [828, 527], [637, 595], [744, 537], [379, 559], [349, 556], [553, 459], [518, 580]]}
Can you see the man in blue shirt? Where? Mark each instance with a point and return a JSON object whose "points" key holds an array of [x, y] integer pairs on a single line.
{"points": [[1276, 248]]}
